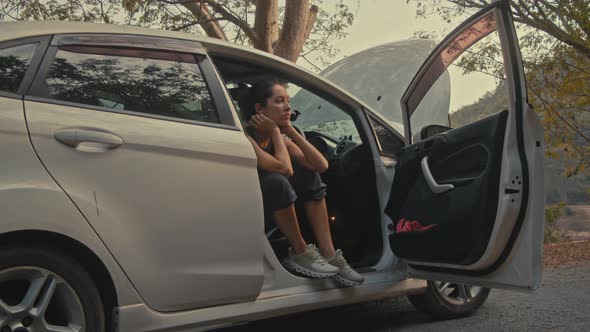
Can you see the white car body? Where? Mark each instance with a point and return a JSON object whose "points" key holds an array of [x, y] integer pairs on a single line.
{"points": [[158, 215]]}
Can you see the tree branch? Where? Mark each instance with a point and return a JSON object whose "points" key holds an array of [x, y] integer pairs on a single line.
{"points": [[311, 63], [264, 23], [313, 16], [295, 25], [201, 13], [559, 116], [243, 25]]}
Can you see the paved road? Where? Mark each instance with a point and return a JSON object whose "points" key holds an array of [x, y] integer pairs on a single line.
{"points": [[561, 304]]}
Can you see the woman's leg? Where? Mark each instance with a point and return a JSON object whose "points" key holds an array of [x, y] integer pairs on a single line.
{"points": [[286, 219], [278, 196], [317, 214], [312, 191]]}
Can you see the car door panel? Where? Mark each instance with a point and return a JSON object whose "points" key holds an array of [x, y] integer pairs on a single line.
{"points": [[466, 157], [490, 223], [160, 204]]}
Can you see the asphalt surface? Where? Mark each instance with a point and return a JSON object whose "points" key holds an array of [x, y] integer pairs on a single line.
{"points": [[561, 304]]}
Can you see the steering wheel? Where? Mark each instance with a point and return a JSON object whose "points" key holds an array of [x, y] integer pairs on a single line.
{"points": [[346, 159]]}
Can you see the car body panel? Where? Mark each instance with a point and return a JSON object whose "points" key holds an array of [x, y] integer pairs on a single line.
{"points": [[31, 201], [140, 318], [163, 167]]}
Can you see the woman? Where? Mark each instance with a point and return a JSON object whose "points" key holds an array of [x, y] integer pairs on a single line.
{"points": [[288, 169]]}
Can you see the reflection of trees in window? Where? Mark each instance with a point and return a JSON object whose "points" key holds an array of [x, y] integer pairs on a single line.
{"points": [[14, 62], [161, 87]]}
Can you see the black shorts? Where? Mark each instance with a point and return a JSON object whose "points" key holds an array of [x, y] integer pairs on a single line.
{"points": [[278, 191]]}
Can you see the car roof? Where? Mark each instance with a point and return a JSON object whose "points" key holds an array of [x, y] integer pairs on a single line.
{"points": [[23, 29]]}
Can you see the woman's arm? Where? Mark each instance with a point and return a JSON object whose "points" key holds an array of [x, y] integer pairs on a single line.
{"points": [[280, 162], [305, 153]]}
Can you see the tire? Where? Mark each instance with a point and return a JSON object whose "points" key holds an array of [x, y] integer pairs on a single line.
{"points": [[445, 301], [55, 289]]}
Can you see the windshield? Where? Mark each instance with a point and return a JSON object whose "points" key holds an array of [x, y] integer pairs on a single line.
{"points": [[319, 115]]}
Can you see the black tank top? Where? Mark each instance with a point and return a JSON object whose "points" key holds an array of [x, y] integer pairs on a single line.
{"points": [[251, 131]]}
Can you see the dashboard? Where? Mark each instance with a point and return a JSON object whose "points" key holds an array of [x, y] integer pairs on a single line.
{"points": [[344, 155]]}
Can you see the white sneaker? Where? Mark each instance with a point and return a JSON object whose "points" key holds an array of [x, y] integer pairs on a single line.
{"points": [[310, 263], [346, 276]]}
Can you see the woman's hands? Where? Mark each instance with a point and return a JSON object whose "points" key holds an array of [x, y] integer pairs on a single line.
{"points": [[305, 153], [263, 123], [279, 161], [289, 131]]}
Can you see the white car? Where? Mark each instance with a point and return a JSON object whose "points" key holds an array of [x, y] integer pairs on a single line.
{"points": [[130, 201]]}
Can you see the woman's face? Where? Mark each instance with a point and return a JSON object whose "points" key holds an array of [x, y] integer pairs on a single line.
{"points": [[277, 106]]}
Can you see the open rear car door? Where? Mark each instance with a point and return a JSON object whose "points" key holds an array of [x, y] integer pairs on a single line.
{"points": [[478, 187]]}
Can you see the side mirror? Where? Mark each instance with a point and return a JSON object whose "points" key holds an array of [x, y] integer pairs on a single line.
{"points": [[432, 130], [295, 115]]}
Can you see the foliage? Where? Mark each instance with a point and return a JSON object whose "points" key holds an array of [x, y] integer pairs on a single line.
{"points": [[552, 212], [233, 20], [560, 87]]}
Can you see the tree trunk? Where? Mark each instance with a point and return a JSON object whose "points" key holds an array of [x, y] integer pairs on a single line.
{"points": [[297, 25], [266, 24], [275, 26], [202, 14]]}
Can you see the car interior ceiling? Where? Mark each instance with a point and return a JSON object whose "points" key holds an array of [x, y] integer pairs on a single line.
{"points": [[352, 200]]}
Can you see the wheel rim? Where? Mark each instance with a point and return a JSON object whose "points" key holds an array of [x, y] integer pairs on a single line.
{"points": [[33, 299], [457, 294]]}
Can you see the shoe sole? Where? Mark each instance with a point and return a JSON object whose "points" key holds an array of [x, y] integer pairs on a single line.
{"points": [[340, 281], [307, 272]]}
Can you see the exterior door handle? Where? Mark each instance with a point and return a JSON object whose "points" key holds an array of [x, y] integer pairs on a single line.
{"points": [[90, 140], [435, 187]]}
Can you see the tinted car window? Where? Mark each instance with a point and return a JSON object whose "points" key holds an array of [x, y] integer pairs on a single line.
{"points": [[14, 62], [160, 83], [389, 142]]}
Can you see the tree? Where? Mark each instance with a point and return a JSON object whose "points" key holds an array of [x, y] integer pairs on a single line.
{"points": [[555, 42], [291, 30]]}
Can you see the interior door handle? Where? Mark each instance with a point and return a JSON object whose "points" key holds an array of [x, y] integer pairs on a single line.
{"points": [[88, 140], [435, 187]]}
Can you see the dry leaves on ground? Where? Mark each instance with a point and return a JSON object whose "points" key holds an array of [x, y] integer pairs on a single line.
{"points": [[563, 253]]}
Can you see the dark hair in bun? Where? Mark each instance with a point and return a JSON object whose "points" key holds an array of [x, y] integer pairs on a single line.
{"points": [[257, 94]]}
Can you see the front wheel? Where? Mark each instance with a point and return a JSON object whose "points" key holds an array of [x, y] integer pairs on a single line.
{"points": [[43, 289], [444, 300]]}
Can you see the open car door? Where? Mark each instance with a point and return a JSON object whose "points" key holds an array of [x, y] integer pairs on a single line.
{"points": [[477, 190]]}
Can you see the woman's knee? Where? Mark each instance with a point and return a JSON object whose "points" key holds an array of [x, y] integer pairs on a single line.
{"points": [[275, 183]]}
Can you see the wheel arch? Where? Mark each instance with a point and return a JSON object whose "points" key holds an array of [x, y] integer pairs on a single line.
{"points": [[77, 250]]}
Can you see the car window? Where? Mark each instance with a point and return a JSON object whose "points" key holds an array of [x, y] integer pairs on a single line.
{"points": [[321, 116], [14, 62], [389, 143], [154, 82]]}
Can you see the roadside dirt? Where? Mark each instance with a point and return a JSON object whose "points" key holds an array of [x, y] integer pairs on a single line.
{"points": [[566, 253], [574, 226]]}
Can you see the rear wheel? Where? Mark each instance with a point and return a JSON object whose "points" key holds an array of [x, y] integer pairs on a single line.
{"points": [[444, 300], [45, 290]]}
